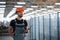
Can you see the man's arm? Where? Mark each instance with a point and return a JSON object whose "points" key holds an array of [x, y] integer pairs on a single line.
{"points": [[26, 30], [26, 26], [10, 27], [10, 31]]}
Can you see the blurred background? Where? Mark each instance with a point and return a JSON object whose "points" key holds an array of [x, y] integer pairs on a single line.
{"points": [[43, 17]]}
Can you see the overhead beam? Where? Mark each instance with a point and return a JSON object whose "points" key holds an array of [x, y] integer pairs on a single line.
{"points": [[8, 8]]}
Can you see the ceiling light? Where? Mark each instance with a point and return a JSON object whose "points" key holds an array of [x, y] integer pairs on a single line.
{"points": [[18, 6], [2, 2], [2, 5], [50, 6], [21, 3], [57, 3], [43, 8]]}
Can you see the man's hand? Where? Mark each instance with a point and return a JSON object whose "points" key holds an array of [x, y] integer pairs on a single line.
{"points": [[26, 31]]}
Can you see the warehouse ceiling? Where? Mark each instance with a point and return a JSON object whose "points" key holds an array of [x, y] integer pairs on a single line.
{"points": [[8, 6]]}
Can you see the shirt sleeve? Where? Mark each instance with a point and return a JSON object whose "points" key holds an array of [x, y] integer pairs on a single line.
{"points": [[25, 23], [12, 23]]}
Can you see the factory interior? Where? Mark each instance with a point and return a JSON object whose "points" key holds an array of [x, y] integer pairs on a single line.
{"points": [[42, 16]]}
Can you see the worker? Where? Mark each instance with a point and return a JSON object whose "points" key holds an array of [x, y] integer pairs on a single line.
{"points": [[18, 25]]}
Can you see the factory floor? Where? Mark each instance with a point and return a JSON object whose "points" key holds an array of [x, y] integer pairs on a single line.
{"points": [[7, 37]]}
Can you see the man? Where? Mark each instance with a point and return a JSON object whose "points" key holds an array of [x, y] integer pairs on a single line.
{"points": [[18, 25]]}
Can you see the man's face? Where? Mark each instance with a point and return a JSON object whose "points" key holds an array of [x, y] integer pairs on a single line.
{"points": [[20, 14]]}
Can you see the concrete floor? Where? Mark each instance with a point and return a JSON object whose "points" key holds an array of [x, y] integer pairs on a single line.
{"points": [[11, 38], [6, 38]]}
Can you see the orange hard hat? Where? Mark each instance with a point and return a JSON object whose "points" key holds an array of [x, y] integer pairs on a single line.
{"points": [[19, 9]]}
